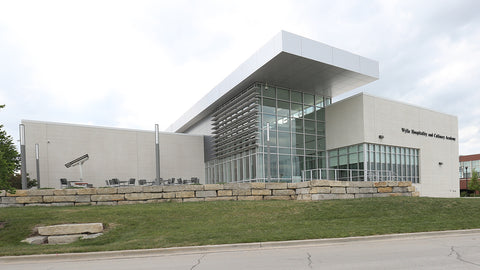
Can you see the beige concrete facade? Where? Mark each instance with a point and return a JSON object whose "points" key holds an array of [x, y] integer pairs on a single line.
{"points": [[363, 118], [113, 153]]}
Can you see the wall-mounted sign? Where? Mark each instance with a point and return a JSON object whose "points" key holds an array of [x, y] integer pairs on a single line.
{"points": [[427, 134]]}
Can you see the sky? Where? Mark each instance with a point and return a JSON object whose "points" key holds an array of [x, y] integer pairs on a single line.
{"points": [[134, 64]]}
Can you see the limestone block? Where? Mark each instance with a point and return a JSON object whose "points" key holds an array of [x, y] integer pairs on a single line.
{"points": [[11, 205], [257, 185], [30, 199], [353, 190], [368, 190], [380, 184], [363, 195], [283, 192], [125, 190], [64, 192], [84, 203], [416, 194], [250, 198], [278, 198], [362, 184], [259, 192], [48, 199], [338, 190], [317, 197], [213, 187], [110, 190], [222, 193], [152, 189], [18, 193], [64, 229], [62, 204], [36, 240], [107, 203], [382, 195], [207, 193], [392, 184], [3, 193], [244, 186], [400, 189], [185, 194], [320, 183], [303, 191], [87, 191], [385, 189], [82, 199], [292, 185], [40, 192], [193, 199], [304, 197], [142, 196], [230, 198], [91, 236], [301, 185], [340, 183], [8, 200], [411, 189], [38, 204], [70, 198], [276, 185], [315, 190], [108, 197], [405, 184], [169, 195], [242, 192], [63, 239], [343, 196]]}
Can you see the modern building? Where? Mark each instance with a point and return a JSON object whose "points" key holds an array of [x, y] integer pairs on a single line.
{"points": [[468, 164], [273, 120]]}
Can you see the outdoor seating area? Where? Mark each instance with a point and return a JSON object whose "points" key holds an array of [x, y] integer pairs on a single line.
{"points": [[115, 182], [64, 183]]}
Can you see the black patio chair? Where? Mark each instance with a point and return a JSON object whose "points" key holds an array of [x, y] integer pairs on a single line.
{"points": [[131, 182], [142, 182], [63, 183]]}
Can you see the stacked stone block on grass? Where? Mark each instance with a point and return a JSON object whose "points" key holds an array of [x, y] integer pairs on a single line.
{"points": [[303, 191]]}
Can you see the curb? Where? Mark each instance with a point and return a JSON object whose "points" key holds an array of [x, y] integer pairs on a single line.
{"points": [[124, 254]]}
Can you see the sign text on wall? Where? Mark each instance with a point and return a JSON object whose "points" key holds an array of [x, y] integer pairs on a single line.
{"points": [[426, 134]]}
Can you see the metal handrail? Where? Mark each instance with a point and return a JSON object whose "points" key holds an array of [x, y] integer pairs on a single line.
{"points": [[350, 175]]}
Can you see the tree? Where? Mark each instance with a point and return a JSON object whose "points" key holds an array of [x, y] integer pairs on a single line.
{"points": [[9, 159], [474, 185]]}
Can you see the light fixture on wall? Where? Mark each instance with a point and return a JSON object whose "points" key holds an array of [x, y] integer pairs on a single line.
{"points": [[440, 163], [381, 137]]}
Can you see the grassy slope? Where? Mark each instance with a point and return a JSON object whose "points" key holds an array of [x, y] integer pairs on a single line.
{"points": [[177, 224]]}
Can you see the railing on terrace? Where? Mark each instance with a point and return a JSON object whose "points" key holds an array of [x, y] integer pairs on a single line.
{"points": [[350, 175]]}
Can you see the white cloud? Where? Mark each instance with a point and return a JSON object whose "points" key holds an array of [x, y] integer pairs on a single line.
{"points": [[136, 63]]}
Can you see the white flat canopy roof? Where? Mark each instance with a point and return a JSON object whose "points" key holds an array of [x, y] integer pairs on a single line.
{"points": [[290, 61]]}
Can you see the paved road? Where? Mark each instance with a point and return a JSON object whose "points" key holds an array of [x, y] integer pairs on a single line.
{"points": [[449, 250]]}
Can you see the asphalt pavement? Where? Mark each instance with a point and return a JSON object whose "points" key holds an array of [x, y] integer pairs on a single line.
{"points": [[433, 250]]}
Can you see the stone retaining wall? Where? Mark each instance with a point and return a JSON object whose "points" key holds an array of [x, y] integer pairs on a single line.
{"points": [[307, 191]]}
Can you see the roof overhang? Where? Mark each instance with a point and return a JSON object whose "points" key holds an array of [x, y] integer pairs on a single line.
{"points": [[289, 61]]}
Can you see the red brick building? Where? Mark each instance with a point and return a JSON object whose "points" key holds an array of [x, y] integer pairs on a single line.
{"points": [[467, 164]]}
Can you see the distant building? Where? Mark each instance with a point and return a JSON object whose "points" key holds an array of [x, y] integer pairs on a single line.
{"points": [[468, 163]]}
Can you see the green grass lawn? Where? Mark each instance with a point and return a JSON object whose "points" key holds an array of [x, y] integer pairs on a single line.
{"points": [[187, 224]]}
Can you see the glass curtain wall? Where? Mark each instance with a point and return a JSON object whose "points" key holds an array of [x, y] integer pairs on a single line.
{"points": [[378, 162], [296, 122]]}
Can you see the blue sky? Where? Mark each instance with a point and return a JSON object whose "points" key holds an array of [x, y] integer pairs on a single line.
{"points": [[136, 63]]}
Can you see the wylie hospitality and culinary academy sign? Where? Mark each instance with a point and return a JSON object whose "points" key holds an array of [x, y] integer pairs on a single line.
{"points": [[427, 134]]}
